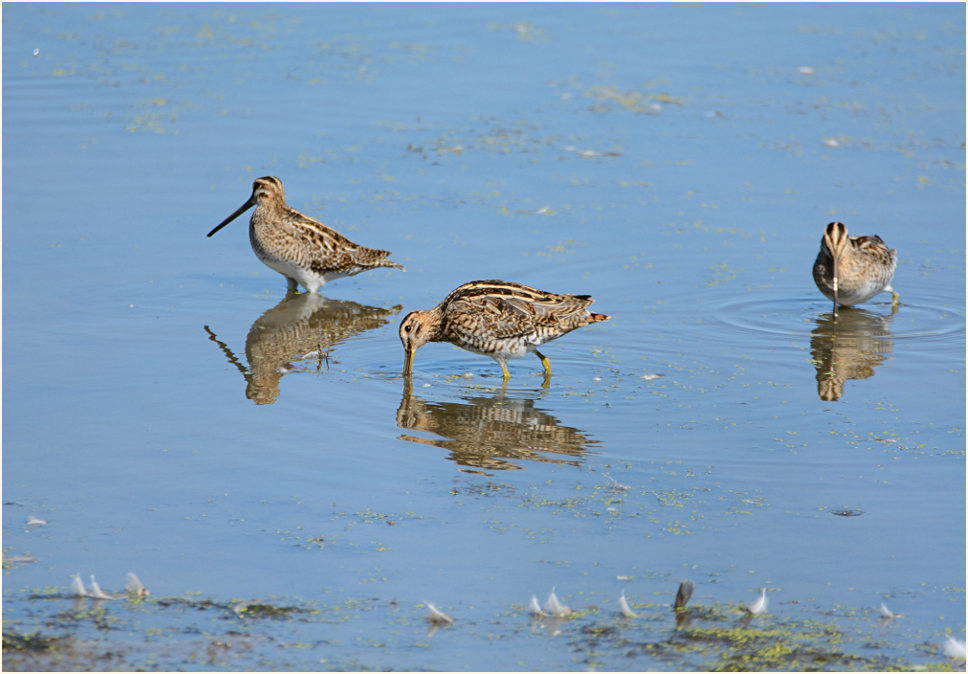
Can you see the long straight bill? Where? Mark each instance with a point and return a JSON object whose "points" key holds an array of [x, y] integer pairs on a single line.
{"points": [[241, 209], [836, 284]]}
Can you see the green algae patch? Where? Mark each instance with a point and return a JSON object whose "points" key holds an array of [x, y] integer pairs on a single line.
{"points": [[258, 610], [34, 642], [243, 609], [712, 638], [807, 645]]}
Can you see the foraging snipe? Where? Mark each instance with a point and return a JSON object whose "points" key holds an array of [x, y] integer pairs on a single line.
{"points": [[303, 250], [498, 319], [852, 269]]}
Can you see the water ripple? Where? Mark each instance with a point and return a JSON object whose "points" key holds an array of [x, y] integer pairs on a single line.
{"points": [[798, 316]]}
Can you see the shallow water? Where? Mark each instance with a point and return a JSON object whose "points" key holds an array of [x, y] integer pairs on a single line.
{"points": [[169, 412]]}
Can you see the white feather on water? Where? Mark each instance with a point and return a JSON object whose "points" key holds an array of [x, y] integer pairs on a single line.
{"points": [[624, 607], [758, 605], [535, 607], [97, 592], [134, 586], [436, 615], [888, 614], [618, 485], [555, 607], [954, 648], [77, 586]]}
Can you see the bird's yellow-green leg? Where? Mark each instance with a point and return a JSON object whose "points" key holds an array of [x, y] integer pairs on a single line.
{"points": [[895, 301], [504, 368], [545, 363]]}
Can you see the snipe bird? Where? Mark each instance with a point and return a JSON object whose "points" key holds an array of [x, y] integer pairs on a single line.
{"points": [[305, 251], [500, 319], [852, 269]]}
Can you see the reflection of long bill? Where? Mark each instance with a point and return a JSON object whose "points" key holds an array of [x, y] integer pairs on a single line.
{"points": [[241, 209]]}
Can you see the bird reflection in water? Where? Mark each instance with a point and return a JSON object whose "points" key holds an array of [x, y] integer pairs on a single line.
{"points": [[304, 327], [491, 433], [848, 346]]}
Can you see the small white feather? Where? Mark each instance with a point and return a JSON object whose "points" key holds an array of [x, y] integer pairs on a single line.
{"points": [[623, 606], [618, 485], [535, 607], [97, 592], [888, 614], [134, 586], [77, 586], [555, 607], [436, 615], [758, 605], [954, 648]]}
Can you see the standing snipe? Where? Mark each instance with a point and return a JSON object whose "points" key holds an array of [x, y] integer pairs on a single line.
{"points": [[303, 250], [498, 319], [852, 269]]}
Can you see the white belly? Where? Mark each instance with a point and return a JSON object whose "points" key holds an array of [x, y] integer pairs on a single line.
{"points": [[304, 277]]}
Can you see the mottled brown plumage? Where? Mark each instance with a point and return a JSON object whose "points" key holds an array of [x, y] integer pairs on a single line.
{"points": [[499, 319], [852, 269], [303, 250]]}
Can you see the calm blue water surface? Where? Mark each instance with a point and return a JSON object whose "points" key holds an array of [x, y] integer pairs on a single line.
{"points": [[167, 412]]}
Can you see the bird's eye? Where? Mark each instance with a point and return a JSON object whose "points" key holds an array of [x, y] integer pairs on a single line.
{"points": [[407, 328]]}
